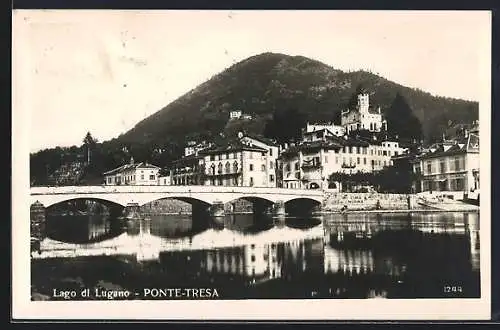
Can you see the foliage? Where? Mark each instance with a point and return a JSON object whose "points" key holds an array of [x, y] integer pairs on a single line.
{"points": [[388, 180], [401, 121]]}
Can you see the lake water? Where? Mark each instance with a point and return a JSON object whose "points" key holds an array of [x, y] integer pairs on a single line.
{"points": [[358, 255]]}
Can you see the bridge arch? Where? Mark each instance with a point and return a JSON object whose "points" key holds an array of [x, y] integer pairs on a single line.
{"points": [[317, 199], [52, 200], [199, 199]]}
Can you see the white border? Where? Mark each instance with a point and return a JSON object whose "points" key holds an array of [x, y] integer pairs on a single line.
{"points": [[350, 309]]}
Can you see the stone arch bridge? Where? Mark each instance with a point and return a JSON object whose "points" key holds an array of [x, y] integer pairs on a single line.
{"points": [[202, 198]]}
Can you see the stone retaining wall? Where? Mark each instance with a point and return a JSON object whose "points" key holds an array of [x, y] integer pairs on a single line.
{"points": [[335, 201]]}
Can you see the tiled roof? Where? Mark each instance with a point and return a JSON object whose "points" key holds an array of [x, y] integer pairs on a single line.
{"points": [[469, 144], [127, 167], [262, 139], [231, 146]]}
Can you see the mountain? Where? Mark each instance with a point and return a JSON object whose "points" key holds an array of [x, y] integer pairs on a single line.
{"points": [[280, 92], [268, 83]]}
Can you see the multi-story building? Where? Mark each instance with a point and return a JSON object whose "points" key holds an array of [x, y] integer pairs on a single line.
{"points": [[449, 166], [363, 117], [133, 174], [247, 161], [309, 164], [237, 164], [189, 170]]}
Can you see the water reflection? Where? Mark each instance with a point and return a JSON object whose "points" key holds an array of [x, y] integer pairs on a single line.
{"points": [[340, 256]]}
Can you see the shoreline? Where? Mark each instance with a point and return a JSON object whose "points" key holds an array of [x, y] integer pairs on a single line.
{"points": [[338, 212]]}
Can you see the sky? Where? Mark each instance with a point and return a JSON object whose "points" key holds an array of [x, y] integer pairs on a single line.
{"points": [[104, 71]]}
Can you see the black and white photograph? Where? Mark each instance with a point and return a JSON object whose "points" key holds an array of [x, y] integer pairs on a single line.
{"points": [[222, 164]]}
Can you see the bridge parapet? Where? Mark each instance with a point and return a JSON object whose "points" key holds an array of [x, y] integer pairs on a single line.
{"points": [[141, 195], [171, 189]]}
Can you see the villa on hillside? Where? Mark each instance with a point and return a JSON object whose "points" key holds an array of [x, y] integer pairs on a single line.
{"points": [[363, 117], [359, 144]]}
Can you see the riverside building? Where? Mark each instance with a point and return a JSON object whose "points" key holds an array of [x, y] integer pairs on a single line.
{"points": [[133, 174], [248, 161], [360, 144], [450, 166]]}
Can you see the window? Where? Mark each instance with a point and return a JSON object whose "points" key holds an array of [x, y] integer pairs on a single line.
{"points": [[213, 169], [212, 157], [142, 176], [359, 150], [442, 166], [270, 151], [385, 153], [271, 165], [251, 167], [457, 164], [251, 181], [359, 162], [228, 167], [235, 181], [263, 154], [395, 153], [429, 167], [288, 167], [219, 168], [235, 167], [110, 180], [364, 160], [263, 168], [152, 177], [271, 178], [220, 181], [297, 166]]}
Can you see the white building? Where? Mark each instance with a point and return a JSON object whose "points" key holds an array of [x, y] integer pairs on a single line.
{"points": [[335, 129], [238, 164], [363, 117], [309, 164], [133, 174], [451, 166], [235, 114], [165, 180]]}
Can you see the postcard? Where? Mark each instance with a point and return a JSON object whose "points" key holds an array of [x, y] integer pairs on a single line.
{"points": [[251, 165]]}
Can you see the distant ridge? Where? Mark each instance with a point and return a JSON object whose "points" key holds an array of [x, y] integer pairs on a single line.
{"points": [[262, 84]]}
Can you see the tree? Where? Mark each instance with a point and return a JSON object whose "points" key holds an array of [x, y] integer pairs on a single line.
{"points": [[401, 121], [286, 125], [89, 143], [353, 100]]}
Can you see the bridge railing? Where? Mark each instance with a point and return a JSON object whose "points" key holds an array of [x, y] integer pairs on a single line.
{"points": [[170, 189]]}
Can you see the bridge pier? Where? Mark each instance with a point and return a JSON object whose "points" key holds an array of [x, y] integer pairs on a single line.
{"points": [[217, 209], [279, 209], [37, 223], [132, 211]]}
